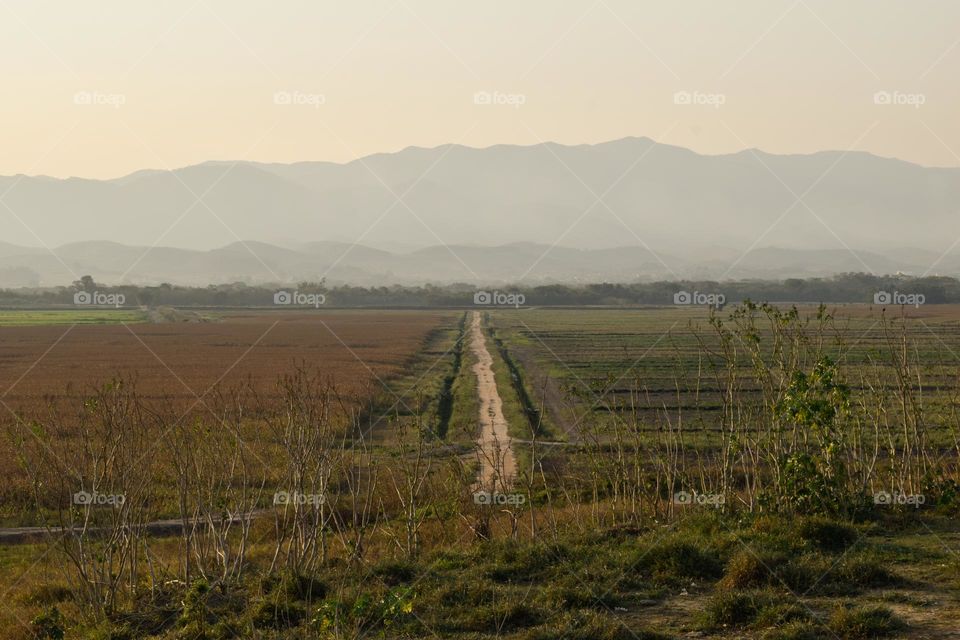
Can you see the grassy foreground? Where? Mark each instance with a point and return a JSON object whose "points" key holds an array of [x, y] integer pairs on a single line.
{"points": [[706, 575]]}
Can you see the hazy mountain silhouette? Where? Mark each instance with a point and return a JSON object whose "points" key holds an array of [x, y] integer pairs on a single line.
{"points": [[500, 208], [257, 262]]}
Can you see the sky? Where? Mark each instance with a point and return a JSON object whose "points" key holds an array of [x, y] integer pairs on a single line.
{"points": [[101, 89]]}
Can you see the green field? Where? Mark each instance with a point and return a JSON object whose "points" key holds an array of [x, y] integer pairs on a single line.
{"points": [[594, 367], [72, 316]]}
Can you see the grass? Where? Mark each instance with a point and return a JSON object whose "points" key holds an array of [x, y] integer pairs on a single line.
{"points": [[69, 317], [862, 622], [609, 583]]}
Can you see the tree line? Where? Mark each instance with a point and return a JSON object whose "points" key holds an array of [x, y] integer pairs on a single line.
{"points": [[842, 288]]}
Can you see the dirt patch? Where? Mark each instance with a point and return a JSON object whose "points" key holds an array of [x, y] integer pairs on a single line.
{"points": [[547, 393]]}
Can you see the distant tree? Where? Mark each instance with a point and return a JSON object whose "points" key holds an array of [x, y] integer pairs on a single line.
{"points": [[85, 283]]}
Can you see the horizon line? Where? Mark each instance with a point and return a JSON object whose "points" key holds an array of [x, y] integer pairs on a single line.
{"points": [[414, 147]]}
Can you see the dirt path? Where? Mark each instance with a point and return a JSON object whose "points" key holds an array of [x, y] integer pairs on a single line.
{"points": [[173, 526], [498, 466]]}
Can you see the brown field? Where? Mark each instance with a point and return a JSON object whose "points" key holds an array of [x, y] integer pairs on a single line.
{"points": [[179, 362], [179, 368]]}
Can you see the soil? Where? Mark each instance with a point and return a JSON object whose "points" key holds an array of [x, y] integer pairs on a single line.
{"points": [[498, 466]]}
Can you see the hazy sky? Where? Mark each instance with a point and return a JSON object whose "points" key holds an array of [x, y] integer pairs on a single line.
{"points": [[100, 89]]}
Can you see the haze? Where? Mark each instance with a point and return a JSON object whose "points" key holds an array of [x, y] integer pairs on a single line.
{"points": [[179, 83]]}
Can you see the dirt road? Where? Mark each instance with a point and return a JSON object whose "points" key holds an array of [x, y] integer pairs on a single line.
{"points": [[498, 466]]}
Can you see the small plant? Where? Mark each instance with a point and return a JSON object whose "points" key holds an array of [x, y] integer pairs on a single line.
{"points": [[816, 404], [195, 604], [49, 625]]}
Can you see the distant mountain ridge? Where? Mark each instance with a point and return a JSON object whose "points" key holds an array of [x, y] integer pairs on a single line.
{"points": [[604, 206], [343, 263]]}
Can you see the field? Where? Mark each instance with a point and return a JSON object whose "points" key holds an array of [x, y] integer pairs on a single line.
{"points": [[184, 369], [587, 366], [72, 317], [179, 362], [680, 474]]}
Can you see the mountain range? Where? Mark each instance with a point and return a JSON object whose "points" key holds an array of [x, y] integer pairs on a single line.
{"points": [[623, 210]]}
